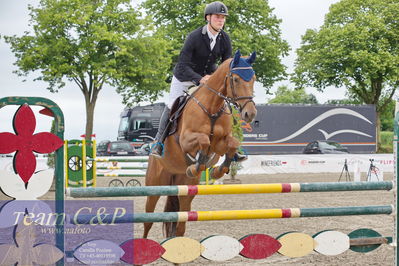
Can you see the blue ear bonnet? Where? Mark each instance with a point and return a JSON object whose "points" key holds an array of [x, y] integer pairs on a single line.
{"points": [[242, 66]]}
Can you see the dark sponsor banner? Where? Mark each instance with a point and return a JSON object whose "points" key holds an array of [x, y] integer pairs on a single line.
{"points": [[289, 128]]}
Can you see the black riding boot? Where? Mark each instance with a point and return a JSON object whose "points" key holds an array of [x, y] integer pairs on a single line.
{"points": [[238, 157], [162, 133]]}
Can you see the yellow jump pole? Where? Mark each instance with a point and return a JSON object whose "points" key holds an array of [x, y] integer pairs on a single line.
{"points": [[66, 168], [241, 214], [94, 167], [84, 162]]}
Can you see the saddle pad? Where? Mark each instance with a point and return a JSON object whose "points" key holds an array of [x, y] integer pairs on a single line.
{"points": [[177, 108], [192, 89]]}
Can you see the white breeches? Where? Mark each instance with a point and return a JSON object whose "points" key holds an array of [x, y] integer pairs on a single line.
{"points": [[176, 89]]}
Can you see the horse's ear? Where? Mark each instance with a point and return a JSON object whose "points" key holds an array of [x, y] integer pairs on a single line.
{"points": [[236, 58], [251, 59]]}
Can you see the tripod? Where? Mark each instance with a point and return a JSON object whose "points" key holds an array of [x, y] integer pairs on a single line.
{"points": [[347, 175], [372, 170]]}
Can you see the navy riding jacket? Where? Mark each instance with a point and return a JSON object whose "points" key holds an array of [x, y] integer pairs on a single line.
{"points": [[196, 58]]}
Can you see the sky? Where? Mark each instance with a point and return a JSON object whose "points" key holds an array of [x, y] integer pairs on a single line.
{"points": [[297, 16]]}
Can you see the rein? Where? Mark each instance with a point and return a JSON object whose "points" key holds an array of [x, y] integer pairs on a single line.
{"points": [[228, 101], [212, 117]]}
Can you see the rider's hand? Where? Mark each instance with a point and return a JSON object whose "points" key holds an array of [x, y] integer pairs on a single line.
{"points": [[204, 79]]}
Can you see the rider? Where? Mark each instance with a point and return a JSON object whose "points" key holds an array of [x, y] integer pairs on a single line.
{"points": [[202, 48]]}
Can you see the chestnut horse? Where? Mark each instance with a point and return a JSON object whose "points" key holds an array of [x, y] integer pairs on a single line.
{"points": [[204, 133]]}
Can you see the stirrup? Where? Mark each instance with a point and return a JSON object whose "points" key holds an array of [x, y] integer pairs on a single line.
{"points": [[157, 149], [239, 157]]}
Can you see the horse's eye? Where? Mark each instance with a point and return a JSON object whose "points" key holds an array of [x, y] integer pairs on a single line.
{"points": [[235, 79]]}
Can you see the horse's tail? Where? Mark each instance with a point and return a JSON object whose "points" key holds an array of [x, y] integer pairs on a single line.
{"points": [[172, 205]]}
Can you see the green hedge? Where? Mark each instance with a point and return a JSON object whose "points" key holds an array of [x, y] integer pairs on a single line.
{"points": [[386, 145]]}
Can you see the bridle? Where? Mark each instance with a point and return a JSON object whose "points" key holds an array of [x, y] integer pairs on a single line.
{"points": [[228, 101], [232, 100]]}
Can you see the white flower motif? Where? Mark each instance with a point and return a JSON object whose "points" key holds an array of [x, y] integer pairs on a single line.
{"points": [[25, 251]]}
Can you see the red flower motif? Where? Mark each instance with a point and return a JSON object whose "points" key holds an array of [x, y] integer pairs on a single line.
{"points": [[25, 142]]}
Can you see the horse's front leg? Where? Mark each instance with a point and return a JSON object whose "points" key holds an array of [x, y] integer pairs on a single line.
{"points": [[232, 146], [197, 143], [149, 207]]}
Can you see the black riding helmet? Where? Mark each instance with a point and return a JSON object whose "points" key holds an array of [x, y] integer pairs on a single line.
{"points": [[215, 8]]}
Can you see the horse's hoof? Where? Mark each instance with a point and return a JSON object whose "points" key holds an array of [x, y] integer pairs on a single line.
{"points": [[215, 174], [226, 170], [189, 173]]}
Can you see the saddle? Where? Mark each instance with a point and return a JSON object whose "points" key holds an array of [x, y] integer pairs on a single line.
{"points": [[177, 109], [175, 113]]}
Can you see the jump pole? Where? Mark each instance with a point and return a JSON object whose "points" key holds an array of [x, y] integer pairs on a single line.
{"points": [[66, 163], [232, 215], [94, 166], [132, 160], [120, 175], [122, 167], [226, 189], [84, 157]]}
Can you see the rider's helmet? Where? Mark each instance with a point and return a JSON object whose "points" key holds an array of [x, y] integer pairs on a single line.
{"points": [[215, 8]]}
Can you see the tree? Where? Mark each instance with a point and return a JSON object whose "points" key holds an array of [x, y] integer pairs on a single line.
{"points": [[388, 116], [343, 101], [285, 95], [92, 43], [357, 47], [250, 24]]}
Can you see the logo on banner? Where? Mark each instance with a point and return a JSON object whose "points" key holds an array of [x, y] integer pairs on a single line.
{"points": [[272, 163], [305, 162]]}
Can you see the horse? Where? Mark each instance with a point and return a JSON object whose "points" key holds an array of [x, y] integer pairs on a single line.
{"points": [[203, 135]]}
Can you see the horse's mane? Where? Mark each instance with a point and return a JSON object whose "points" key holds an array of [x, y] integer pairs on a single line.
{"points": [[223, 68], [220, 73]]}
